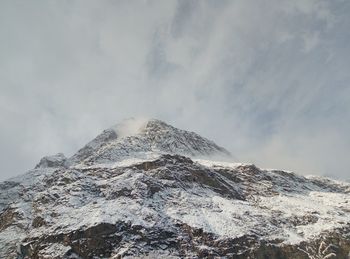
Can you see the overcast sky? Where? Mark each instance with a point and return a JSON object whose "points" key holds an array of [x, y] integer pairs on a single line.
{"points": [[267, 79]]}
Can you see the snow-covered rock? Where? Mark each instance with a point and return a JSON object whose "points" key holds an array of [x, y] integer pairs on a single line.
{"points": [[144, 137], [149, 192]]}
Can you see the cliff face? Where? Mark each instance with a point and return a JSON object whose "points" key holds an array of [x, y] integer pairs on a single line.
{"points": [[152, 194]]}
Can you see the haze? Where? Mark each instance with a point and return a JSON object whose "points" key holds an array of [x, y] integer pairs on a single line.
{"points": [[267, 79]]}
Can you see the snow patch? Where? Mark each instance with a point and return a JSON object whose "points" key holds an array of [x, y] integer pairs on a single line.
{"points": [[215, 163]]}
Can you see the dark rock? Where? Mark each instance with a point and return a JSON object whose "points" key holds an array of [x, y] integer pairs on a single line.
{"points": [[38, 222], [8, 217]]}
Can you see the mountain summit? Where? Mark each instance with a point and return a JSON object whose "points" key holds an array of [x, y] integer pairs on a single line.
{"points": [[139, 138], [144, 189]]}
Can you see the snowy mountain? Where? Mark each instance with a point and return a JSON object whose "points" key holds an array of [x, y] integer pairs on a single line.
{"points": [[146, 189], [135, 138]]}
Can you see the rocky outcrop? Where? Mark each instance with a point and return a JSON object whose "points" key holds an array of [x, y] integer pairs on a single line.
{"points": [[7, 218]]}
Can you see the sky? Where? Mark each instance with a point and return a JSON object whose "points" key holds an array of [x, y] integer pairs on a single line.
{"points": [[266, 79]]}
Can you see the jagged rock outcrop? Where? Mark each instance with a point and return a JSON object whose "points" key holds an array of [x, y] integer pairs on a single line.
{"points": [[151, 194]]}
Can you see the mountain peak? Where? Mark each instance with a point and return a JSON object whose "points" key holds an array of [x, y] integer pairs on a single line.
{"points": [[137, 138]]}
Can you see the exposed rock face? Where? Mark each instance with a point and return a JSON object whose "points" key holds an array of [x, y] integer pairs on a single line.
{"points": [[159, 203]]}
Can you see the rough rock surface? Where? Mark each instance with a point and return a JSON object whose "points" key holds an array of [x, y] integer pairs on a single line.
{"points": [[151, 194]]}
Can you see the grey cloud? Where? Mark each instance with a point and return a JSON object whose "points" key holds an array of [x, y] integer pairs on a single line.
{"points": [[182, 16], [267, 79]]}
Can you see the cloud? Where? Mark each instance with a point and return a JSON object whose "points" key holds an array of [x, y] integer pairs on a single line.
{"points": [[267, 79], [130, 126]]}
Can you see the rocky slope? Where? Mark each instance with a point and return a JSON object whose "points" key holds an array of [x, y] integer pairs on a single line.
{"points": [[154, 193]]}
